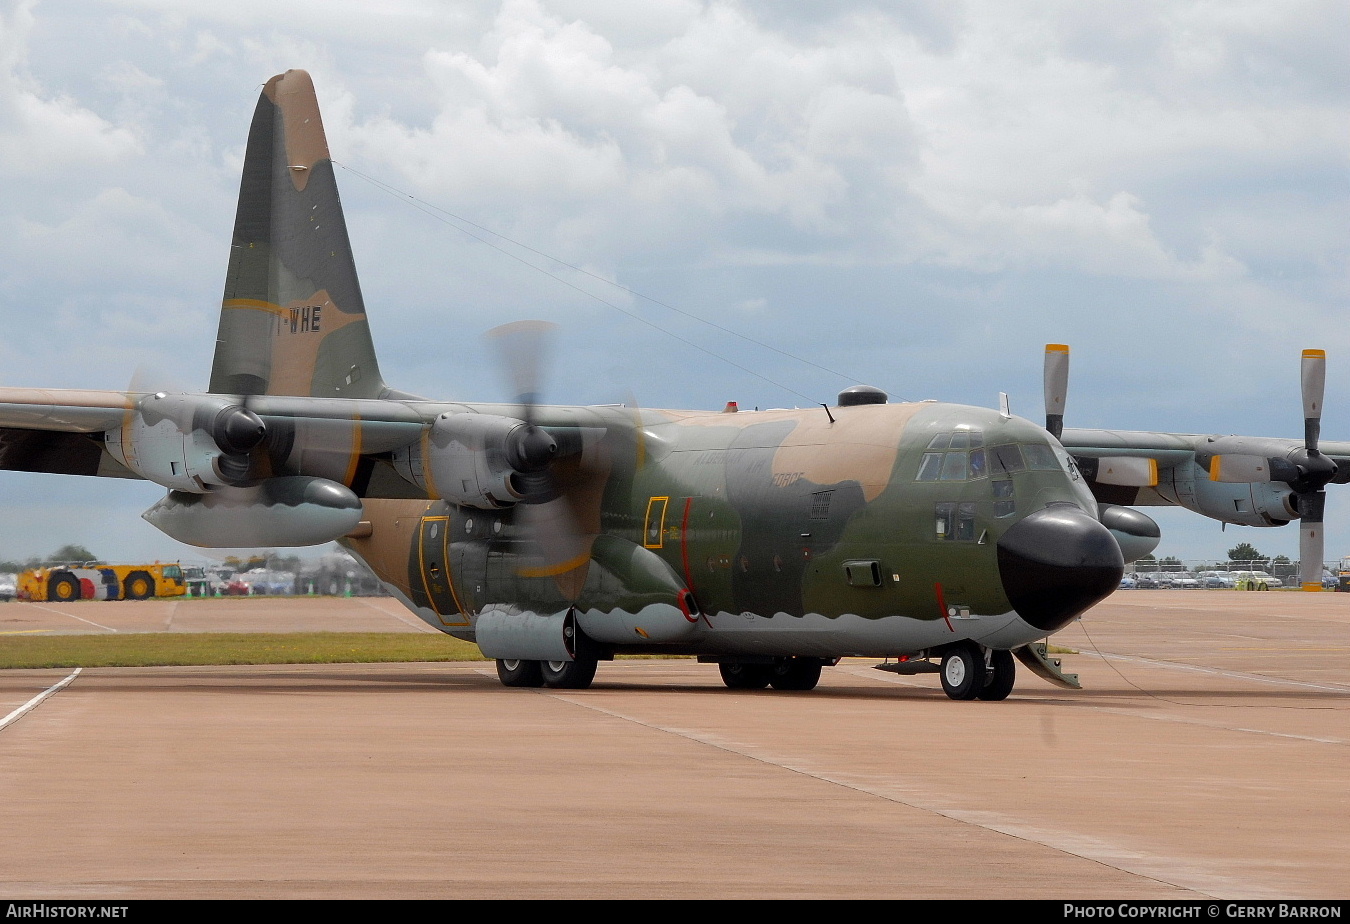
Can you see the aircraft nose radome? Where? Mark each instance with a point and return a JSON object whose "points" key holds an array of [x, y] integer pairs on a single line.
{"points": [[1057, 562]]}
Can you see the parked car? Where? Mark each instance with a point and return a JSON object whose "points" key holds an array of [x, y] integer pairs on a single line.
{"points": [[1128, 583], [1221, 580], [1184, 580], [8, 586]]}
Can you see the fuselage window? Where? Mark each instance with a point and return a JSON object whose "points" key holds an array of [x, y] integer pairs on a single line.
{"points": [[944, 514], [930, 467], [965, 522], [955, 456], [1006, 459], [656, 521], [1003, 498], [954, 466], [1040, 457], [954, 521], [977, 469]]}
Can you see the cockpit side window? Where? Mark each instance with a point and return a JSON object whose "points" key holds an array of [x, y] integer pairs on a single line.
{"points": [[930, 467], [1006, 459], [953, 466], [1040, 457], [957, 456]]}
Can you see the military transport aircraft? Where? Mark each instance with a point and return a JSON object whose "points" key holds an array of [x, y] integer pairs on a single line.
{"points": [[940, 537]]}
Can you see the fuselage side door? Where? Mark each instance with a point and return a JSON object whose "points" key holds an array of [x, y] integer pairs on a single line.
{"points": [[433, 542]]}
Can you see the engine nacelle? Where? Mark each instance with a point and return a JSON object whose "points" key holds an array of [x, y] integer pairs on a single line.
{"points": [[1246, 504], [475, 459], [187, 443], [293, 510]]}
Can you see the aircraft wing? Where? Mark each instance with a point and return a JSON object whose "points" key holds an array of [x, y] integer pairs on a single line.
{"points": [[1117, 465], [63, 431]]}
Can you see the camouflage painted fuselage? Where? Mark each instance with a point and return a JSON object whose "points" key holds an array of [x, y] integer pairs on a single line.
{"points": [[857, 531]]}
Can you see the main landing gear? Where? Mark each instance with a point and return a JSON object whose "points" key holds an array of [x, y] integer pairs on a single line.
{"points": [[781, 674], [970, 671], [559, 675]]}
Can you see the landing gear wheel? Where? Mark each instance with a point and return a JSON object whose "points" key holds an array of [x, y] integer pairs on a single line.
{"points": [[741, 676], [138, 586], [63, 588], [568, 675], [795, 674], [962, 672], [513, 672], [998, 680]]}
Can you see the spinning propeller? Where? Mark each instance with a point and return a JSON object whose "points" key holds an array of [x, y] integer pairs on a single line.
{"points": [[542, 510]]}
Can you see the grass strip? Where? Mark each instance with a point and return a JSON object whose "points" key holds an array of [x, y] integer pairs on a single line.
{"points": [[157, 649]]}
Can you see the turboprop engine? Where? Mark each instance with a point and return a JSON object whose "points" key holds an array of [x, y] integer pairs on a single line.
{"points": [[187, 443], [478, 460]]}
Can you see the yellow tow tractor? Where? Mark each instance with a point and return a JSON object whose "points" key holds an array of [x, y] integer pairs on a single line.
{"points": [[99, 581]]}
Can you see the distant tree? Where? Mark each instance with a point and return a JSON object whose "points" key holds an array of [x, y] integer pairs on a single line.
{"points": [[1245, 551], [72, 553], [1171, 563]]}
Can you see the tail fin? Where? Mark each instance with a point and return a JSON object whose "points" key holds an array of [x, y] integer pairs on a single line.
{"points": [[292, 321]]}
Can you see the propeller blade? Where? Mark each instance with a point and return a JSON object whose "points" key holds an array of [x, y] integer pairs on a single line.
{"points": [[557, 544], [522, 347], [546, 519], [1314, 383], [1312, 501], [1056, 386], [1310, 538]]}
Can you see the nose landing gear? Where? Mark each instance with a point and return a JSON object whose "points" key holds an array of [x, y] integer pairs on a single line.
{"points": [[970, 671]]}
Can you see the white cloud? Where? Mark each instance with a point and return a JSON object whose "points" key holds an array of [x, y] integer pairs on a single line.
{"points": [[41, 131]]}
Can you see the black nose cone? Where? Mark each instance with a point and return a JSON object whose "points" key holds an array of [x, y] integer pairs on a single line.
{"points": [[1057, 562]]}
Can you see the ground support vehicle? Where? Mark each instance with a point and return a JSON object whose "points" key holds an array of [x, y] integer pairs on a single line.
{"points": [[98, 581]]}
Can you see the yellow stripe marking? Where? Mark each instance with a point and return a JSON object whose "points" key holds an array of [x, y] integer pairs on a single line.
{"points": [[356, 451], [555, 570], [1056, 348], [255, 304], [1315, 354]]}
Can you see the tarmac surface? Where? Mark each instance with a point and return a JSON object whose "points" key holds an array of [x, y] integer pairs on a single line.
{"points": [[1205, 757]]}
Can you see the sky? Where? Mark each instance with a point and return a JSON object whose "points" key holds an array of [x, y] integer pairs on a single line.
{"points": [[747, 201]]}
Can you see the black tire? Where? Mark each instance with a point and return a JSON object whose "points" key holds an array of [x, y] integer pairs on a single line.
{"points": [[795, 674], [962, 672], [741, 676], [568, 675], [138, 586], [63, 587], [999, 678], [513, 672]]}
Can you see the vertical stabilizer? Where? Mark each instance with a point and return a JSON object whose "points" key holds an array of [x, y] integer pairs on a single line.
{"points": [[292, 321]]}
